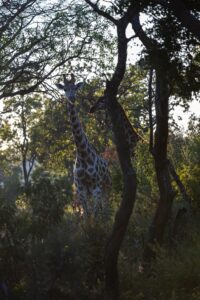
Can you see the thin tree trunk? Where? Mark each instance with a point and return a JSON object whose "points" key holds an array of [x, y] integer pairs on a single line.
{"points": [[129, 176], [179, 183], [171, 168], [25, 172], [161, 165], [150, 104], [160, 62], [124, 212]]}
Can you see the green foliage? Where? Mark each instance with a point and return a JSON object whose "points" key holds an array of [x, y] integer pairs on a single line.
{"points": [[186, 156], [47, 198], [11, 184], [173, 275], [190, 175], [46, 250], [147, 185], [62, 261], [38, 38]]}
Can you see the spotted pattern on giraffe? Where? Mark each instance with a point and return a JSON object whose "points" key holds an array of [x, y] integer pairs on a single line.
{"points": [[132, 136], [91, 173]]}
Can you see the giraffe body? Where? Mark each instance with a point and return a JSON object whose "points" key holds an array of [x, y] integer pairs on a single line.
{"points": [[132, 136], [91, 174]]}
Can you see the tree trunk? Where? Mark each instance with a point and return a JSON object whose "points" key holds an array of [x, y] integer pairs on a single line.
{"points": [[129, 176], [125, 210], [25, 172], [116, 238], [161, 165]]}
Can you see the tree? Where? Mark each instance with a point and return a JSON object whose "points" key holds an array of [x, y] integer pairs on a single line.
{"points": [[129, 176], [183, 13], [24, 113], [189, 168], [70, 37], [37, 38], [163, 54], [163, 49]]}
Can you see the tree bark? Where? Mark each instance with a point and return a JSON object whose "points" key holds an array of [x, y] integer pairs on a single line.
{"points": [[160, 62], [125, 210], [161, 164], [150, 104], [129, 176], [162, 89]]}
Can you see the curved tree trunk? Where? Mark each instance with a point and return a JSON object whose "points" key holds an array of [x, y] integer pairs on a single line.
{"points": [[124, 212], [129, 176]]}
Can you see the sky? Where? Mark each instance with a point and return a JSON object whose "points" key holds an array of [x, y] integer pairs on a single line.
{"points": [[186, 116]]}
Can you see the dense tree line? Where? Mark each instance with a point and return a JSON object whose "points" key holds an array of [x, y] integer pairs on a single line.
{"points": [[49, 251]]}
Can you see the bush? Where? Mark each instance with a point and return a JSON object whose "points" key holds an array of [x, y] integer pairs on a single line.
{"points": [[173, 275]]}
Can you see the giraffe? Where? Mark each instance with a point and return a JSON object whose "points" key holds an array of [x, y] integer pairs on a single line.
{"points": [[132, 136], [91, 173]]}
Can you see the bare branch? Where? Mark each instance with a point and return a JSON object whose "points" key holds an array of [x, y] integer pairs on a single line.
{"points": [[101, 12], [23, 7], [149, 43], [131, 38], [32, 88]]}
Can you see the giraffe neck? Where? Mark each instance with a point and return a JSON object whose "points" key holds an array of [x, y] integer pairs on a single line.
{"points": [[131, 134], [80, 139]]}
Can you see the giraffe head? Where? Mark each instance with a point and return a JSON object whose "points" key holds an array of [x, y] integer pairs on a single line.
{"points": [[70, 87], [99, 105]]}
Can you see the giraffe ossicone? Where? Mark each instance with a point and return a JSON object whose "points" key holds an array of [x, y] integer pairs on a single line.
{"points": [[91, 173]]}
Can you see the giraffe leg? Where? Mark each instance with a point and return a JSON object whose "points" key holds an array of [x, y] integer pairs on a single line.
{"points": [[82, 196], [97, 195], [76, 206], [105, 200], [81, 199]]}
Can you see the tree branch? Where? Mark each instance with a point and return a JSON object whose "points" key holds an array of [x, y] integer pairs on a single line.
{"points": [[184, 15], [149, 43], [17, 13], [101, 12], [179, 183], [41, 79]]}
